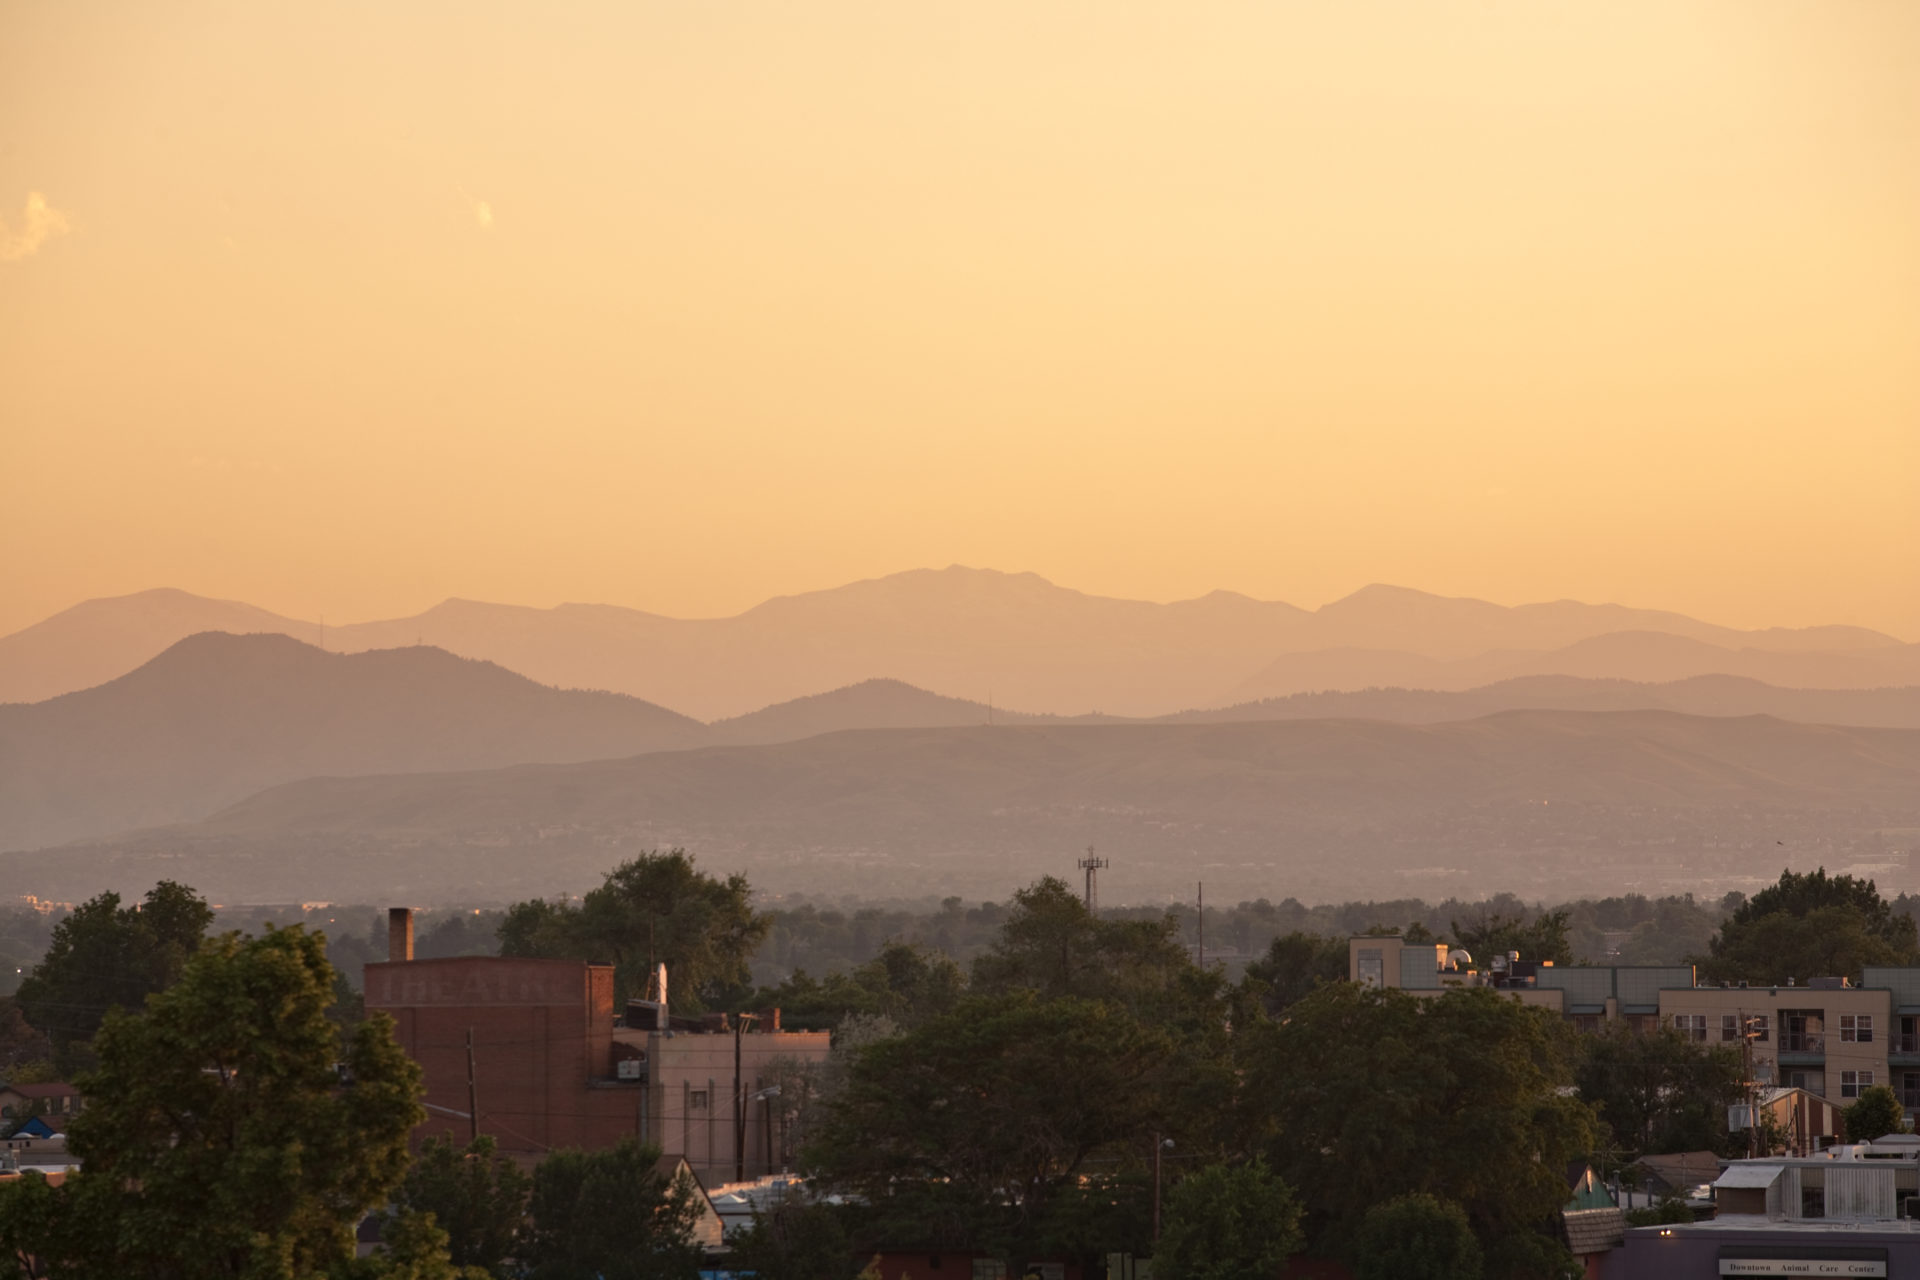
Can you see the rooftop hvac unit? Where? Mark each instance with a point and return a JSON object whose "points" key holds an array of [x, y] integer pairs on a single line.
{"points": [[629, 1068], [1739, 1116]]}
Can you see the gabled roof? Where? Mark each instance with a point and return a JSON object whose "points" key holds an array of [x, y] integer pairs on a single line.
{"points": [[52, 1089], [40, 1127], [1682, 1169], [1591, 1231], [1585, 1189], [708, 1231]]}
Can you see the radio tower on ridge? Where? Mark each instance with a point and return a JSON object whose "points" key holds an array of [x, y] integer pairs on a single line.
{"points": [[1091, 865]]}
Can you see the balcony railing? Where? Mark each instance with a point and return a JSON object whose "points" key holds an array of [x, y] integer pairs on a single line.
{"points": [[1903, 1044], [1910, 1098], [1802, 1042]]}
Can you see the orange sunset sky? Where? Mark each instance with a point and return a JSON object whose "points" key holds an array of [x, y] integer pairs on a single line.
{"points": [[344, 308]]}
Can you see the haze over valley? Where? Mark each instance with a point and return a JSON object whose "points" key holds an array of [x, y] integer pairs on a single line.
{"points": [[264, 767]]}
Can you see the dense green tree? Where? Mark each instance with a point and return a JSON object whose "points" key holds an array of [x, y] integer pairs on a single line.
{"points": [[1295, 964], [1875, 1115], [21, 1043], [1364, 1094], [1051, 946], [1657, 1092], [105, 956], [795, 1241], [972, 1129], [1808, 925], [1228, 1222], [1542, 938], [1827, 941], [614, 1214], [218, 1139], [475, 1194], [1799, 894], [656, 908], [1531, 1255], [1416, 1237], [905, 983]]}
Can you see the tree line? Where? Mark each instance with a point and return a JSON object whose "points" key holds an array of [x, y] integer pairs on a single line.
{"points": [[1079, 1086]]}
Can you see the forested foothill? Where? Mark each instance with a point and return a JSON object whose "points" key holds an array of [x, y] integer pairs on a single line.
{"points": [[1028, 1079]]}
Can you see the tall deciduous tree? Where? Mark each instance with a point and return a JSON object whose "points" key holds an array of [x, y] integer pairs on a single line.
{"points": [[1807, 925], [105, 956], [1053, 946], [654, 908], [1877, 1114], [1658, 1092], [1366, 1094], [1228, 1222], [611, 1215], [475, 1194], [1295, 964], [905, 983], [218, 1139], [972, 1129], [1416, 1237]]}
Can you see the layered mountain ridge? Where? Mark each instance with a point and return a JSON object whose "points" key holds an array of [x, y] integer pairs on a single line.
{"points": [[1010, 638]]}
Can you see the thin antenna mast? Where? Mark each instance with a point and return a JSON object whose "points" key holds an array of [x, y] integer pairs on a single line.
{"points": [[1091, 865], [1202, 923]]}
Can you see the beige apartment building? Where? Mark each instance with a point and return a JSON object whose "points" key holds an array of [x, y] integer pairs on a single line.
{"points": [[1826, 1036]]}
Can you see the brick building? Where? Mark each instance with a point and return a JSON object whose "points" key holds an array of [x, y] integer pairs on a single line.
{"points": [[551, 1066]]}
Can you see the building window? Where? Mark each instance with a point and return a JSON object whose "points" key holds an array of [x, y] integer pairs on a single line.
{"points": [[1691, 1026], [1586, 1023], [1854, 1083], [1811, 1081], [1372, 967], [1856, 1028], [1757, 1025], [698, 1100], [1813, 1193]]}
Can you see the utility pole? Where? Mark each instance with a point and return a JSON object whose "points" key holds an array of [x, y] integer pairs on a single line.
{"points": [[1091, 865], [1202, 925], [473, 1102], [739, 1104]]}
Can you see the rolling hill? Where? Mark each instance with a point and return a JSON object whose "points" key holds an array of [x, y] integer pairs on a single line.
{"points": [[1533, 802], [217, 717], [101, 640], [1641, 657]]}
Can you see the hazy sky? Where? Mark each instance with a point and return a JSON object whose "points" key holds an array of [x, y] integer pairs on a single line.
{"points": [[343, 308]]}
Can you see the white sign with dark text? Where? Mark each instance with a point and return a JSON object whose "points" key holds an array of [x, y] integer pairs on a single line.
{"points": [[1800, 1267]]}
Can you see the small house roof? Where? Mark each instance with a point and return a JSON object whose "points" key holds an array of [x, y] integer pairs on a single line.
{"points": [[1682, 1169], [1591, 1231], [51, 1089], [1749, 1175]]}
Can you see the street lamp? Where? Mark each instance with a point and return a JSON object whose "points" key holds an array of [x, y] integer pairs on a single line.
{"points": [[767, 1095]]}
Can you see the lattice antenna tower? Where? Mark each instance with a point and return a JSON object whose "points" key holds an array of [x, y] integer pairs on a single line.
{"points": [[1091, 865]]}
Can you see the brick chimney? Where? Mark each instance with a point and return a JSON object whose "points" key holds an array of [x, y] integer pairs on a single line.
{"points": [[399, 933]]}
